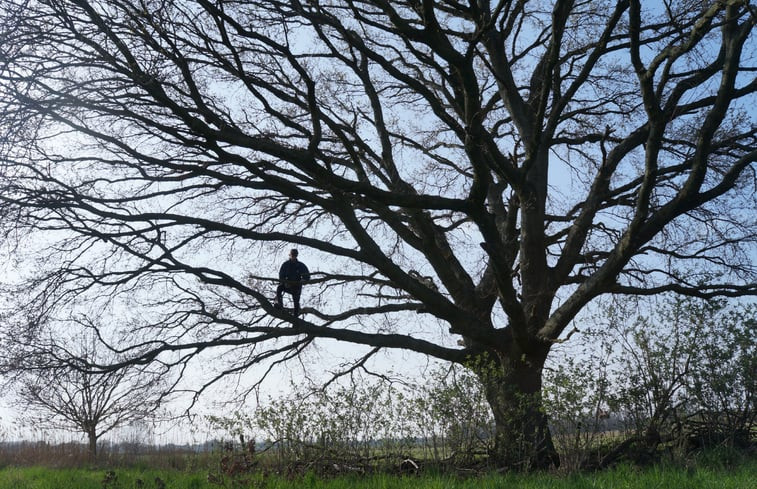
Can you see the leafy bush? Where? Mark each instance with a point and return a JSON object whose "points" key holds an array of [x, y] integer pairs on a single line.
{"points": [[369, 423], [679, 377]]}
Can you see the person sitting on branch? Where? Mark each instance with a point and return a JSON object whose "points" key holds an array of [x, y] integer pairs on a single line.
{"points": [[292, 274]]}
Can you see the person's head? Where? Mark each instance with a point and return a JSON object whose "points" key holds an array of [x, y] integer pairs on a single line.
{"points": [[293, 254]]}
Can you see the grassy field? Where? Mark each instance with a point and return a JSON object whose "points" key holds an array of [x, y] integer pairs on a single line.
{"points": [[743, 476]]}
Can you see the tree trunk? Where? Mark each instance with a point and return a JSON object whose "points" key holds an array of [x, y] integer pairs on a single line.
{"points": [[512, 385], [92, 437]]}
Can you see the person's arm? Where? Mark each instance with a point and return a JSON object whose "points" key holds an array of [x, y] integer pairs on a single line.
{"points": [[304, 273], [282, 272]]}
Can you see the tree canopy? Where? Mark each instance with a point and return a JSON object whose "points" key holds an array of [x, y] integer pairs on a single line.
{"points": [[492, 167]]}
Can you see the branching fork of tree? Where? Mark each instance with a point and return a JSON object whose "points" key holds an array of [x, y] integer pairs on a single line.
{"points": [[493, 167]]}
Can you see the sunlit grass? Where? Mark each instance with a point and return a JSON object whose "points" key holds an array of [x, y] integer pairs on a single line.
{"points": [[712, 474], [742, 476]]}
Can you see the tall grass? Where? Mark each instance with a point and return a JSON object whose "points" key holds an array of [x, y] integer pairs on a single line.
{"points": [[741, 476]]}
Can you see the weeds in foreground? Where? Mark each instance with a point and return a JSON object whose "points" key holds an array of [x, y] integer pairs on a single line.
{"points": [[706, 473]]}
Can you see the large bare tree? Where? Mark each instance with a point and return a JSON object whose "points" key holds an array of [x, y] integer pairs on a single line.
{"points": [[492, 167]]}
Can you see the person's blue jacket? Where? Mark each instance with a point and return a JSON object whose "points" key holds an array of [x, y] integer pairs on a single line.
{"points": [[293, 273]]}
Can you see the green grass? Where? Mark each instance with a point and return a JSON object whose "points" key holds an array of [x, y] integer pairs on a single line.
{"points": [[48, 478], [743, 476]]}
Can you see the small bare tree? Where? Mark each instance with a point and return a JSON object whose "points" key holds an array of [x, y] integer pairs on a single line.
{"points": [[63, 397]]}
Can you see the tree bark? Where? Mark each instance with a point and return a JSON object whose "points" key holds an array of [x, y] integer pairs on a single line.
{"points": [[512, 385], [92, 438]]}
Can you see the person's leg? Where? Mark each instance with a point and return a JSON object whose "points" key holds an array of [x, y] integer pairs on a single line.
{"points": [[279, 304], [296, 292]]}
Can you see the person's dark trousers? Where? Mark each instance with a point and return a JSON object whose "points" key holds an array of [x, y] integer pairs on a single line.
{"points": [[294, 291]]}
